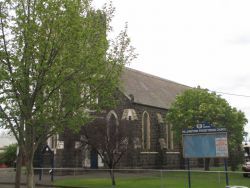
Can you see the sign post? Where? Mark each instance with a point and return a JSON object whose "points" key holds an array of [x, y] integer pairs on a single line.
{"points": [[189, 174], [205, 141], [227, 179]]}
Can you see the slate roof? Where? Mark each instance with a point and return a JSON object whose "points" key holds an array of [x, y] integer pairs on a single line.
{"points": [[149, 89]]}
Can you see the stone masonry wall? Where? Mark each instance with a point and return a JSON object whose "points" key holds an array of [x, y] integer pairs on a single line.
{"points": [[136, 157]]}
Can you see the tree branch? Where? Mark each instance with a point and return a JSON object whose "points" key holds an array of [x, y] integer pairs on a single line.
{"points": [[55, 88], [11, 126], [8, 63], [41, 76]]}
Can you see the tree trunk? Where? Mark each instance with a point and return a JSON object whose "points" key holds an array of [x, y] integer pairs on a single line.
{"points": [[30, 171], [182, 160], [29, 151], [112, 175], [206, 164], [201, 163], [18, 169], [216, 162]]}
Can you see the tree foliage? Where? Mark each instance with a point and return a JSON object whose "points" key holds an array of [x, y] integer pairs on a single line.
{"points": [[55, 62], [8, 157], [199, 105]]}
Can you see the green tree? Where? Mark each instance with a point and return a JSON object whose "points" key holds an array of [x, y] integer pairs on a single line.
{"points": [[199, 105], [8, 157], [55, 62]]}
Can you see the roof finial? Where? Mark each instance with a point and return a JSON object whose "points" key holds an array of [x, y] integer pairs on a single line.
{"points": [[132, 98]]}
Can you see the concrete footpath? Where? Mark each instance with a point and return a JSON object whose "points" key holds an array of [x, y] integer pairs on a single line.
{"points": [[7, 176], [7, 179]]}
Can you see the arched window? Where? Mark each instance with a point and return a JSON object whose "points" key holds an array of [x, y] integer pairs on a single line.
{"points": [[169, 137], [53, 142], [145, 131], [112, 123]]}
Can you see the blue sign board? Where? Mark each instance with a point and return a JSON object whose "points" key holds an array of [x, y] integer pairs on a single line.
{"points": [[205, 141]]}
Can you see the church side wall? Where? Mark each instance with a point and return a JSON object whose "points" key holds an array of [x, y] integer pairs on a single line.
{"points": [[138, 156]]}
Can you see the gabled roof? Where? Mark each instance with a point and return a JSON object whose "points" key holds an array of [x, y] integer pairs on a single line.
{"points": [[150, 90]]}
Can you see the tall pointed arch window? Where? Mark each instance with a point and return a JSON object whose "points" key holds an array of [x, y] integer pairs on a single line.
{"points": [[145, 131], [169, 137], [112, 123]]}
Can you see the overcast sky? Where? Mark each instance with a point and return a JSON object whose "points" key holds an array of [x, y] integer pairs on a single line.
{"points": [[194, 42]]}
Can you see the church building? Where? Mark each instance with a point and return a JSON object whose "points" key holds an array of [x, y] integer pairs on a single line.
{"points": [[143, 102]]}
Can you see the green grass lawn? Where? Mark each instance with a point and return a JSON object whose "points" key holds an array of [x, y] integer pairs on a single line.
{"points": [[164, 180]]}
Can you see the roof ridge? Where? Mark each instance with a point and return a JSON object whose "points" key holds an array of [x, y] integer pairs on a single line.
{"points": [[153, 76]]}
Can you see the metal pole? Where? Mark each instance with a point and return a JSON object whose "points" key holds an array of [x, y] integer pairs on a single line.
{"points": [[40, 173], [40, 165], [219, 178], [161, 180], [226, 173], [189, 174], [52, 170]]}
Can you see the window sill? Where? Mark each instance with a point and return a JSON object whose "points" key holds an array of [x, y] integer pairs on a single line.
{"points": [[173, 152], [149, 152]]}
